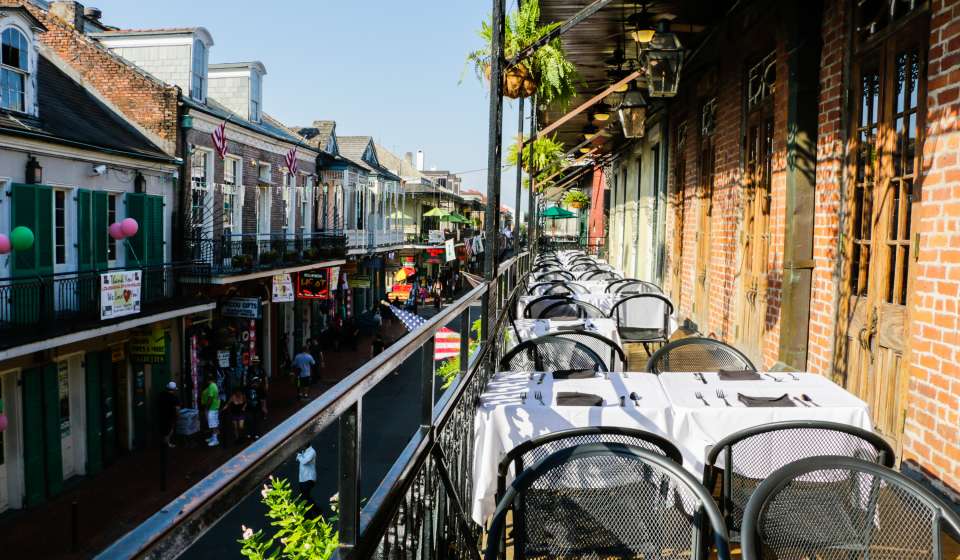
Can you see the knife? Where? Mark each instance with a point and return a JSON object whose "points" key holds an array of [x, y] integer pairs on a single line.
{"points": [[702, 378]]}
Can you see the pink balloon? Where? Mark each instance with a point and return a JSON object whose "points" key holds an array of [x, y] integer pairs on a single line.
{"points": [[130, 227], [5, 245], [116, 231]]}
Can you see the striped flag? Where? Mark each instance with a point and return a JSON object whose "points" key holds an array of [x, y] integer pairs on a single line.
{"points": [[292, 160], [220, 139], [446, 343]]}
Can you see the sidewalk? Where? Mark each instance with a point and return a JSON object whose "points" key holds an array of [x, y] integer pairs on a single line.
{"points": [[128, 491]]}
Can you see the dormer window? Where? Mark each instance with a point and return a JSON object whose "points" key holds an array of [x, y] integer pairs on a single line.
{"points": [[199, 77], [255, 96], [14, 70]]}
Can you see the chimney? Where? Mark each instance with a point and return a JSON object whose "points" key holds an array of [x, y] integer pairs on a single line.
{"points": [[69, 11], [419, 160], [93, 14], [409, 158]]}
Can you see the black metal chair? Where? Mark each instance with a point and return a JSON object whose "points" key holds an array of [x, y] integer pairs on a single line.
{"points": [[607, 500], [554, 275], [601, 275], [698, 354], [541, 288], [603, 346], [534, 307], [581, 266], [570, 309], [747, 457], [643, 318], [535, 450], [551, 353], [632, 286], [842, 507]]}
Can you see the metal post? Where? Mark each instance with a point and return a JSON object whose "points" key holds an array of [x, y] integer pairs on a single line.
{"points": [[493, 160], [516, 221], [426, 383], [349, 483], [465, 341], [531, 199]]}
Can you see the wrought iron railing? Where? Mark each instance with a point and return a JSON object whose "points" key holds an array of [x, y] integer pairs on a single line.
{"points": [[36, 307], [419, 508], [238, 254]]}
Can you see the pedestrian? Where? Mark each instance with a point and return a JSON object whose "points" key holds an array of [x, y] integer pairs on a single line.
{"points": [[210, 402], [302, 364], [377, 346], [237, 410], [316, 350], [256, 407], [307, 475], [169, 409]]}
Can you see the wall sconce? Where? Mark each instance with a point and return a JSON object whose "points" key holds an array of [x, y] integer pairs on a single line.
{"points": [[633, 113], [140, 183], [34, 174], [662, 61]]}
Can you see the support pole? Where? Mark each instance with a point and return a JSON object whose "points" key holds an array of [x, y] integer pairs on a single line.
{"points": [[516, 220], [532, 238], [495, 139], [349, 483]]}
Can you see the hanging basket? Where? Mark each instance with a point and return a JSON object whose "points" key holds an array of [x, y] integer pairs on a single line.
{"points": [[577, 205], [517, 81]]}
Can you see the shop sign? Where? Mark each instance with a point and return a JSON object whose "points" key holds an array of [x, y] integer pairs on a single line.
{"points": [[313, 285], [350, 267], [361, 281], [282, 288], [435, 236], [333, 278], [149, 347], [400, 292], [117, 355], [223, 358], [119, 294], [242, 307], [450, 247]]}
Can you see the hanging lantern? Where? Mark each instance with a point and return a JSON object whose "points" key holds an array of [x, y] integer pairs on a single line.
{"points": [[633, 113], [662, 61]]}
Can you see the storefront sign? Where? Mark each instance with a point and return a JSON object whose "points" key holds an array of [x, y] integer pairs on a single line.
{"points": [[149, 347], [350, 267], [435, 236], [282, 288], [333, 277], [360, 281], [400, 292], [313, 285], [450, 246], [119, 294], [242, 307], [223, 358]]}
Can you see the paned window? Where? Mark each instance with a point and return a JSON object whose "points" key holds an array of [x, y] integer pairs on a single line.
{"points": [[199, 70], [111, 218], [762, 80], [14, 70], [60, 227], [199, 191]]}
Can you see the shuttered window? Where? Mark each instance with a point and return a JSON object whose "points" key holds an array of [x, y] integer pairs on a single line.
{"points": [[32, 207], [92, 233], [147, 244]]}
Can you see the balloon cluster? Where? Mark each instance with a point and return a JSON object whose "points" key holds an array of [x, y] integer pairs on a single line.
{"points": [[128, 227], [20, 239]]}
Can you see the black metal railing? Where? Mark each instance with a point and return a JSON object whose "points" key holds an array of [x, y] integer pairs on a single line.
{"points": [[238, 254], [592, 245], [419, 508], [47, 305]]}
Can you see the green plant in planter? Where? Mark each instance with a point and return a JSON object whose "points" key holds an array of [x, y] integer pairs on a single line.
{"points": [[544, 155], [576, 199], [547, 71], [298, 534]]}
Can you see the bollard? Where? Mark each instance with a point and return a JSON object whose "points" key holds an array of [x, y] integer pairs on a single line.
{"points": [[74, 527]]}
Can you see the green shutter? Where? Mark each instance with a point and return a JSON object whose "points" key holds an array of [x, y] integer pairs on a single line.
{"points": [[136, 209], [94, 413], [99, 231], [44, 231], [108, 405], [51, 424], [155, 230], [24, 213], [85, 229], [34, 472]]}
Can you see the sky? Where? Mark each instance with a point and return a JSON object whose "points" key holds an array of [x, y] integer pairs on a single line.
{"points": [[383, 68]]}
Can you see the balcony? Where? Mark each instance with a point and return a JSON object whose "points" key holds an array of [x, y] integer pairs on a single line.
{"points": [[249, 253], [45, 307], [361, 241]]}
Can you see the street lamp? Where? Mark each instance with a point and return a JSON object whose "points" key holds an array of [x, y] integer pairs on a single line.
{"points": [[662, 60], [633, 113]]}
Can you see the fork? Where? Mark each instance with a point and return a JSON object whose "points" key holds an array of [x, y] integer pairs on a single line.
{"points": [[540, 381], [723, 396], [539, 396], [793, 376], [699, 395], [777, 379], [523, 398]]}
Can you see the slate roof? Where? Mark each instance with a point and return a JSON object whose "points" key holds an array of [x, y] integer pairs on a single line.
{"points": [[319, 134], [396, 164], [69, 114], [353, 147], [268, 126]]}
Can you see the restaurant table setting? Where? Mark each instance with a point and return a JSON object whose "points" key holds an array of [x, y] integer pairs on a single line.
{"points": [[600, 300], [528, 329]]}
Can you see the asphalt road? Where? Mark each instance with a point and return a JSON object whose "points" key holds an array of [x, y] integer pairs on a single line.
{"points": [[390, 417]]}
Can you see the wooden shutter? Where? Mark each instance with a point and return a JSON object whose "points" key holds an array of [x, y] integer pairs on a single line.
{"points": [[154, 211], [98, 231], [32, 207], [94, 413], [34, 472], [51, 424], [85, 229], [136, 209]]}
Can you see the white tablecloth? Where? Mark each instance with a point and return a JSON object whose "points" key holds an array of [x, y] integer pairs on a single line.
{"points": [[502, 422], [533, 328], [697, 427], [600, 300]]}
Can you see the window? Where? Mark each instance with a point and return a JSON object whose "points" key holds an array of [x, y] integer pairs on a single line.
{"points": [[255, 96], [60, 227], [264, 173], [199, 70], [762, 80], [198, 191], [305, 197], [13, 70], [231, 170], [288, 183], [111, 218]]}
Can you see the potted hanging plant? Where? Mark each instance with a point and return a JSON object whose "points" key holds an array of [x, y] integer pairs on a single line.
{"points": [[546, 72], [545, 156], [576, 199]]}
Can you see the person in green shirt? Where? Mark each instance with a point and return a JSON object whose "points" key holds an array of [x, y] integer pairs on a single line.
{"points": [[210, 403]]}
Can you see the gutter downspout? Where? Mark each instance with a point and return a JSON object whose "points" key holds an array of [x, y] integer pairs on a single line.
{"points": [[181, 215]]}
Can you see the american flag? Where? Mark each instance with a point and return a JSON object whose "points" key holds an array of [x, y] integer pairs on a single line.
{"points": [[220, 139], [292, 160], [446, 343]]}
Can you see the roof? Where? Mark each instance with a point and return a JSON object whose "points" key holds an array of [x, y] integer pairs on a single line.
{"points": [[396, 164], [239, 66], [208, 38], [70, 114], [320, 135], [268, 126], [353, 149], [17, 6]]}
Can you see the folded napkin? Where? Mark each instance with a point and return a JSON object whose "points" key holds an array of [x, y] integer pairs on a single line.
{"points": [[574, 374], [578, 399], [782, 400], [574, 327], [738, 375]]}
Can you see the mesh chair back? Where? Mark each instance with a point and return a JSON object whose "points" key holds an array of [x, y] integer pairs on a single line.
{"points": [[555, 275], [551, 353], [615, 357], [749, 456], [601, 275], [536, 306], [586, 274], [571, 308], [581, 267], [607, 500], [545, 288], [698, 354], [643, 311], [841, 507]]}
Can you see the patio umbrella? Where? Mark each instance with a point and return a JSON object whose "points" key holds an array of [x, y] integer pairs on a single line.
{"points": [[455, 218], [436, 213], [557, 213]]}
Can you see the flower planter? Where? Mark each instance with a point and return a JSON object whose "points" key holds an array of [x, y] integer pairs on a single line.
{"points": [[517, 81]]}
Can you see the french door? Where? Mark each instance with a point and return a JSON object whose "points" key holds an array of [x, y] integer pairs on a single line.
{"points": [[701, 292], [883, 167]]}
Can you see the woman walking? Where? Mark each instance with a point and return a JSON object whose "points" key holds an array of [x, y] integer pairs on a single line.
{"points": [[237, 410]]}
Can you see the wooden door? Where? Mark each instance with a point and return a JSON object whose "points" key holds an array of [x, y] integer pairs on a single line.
{"points": [[701, 298], [679, 213], [883, 179]]}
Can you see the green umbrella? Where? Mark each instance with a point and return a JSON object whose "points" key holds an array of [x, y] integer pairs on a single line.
{"points": [[557, 213], [456, 218], [436, 213]]}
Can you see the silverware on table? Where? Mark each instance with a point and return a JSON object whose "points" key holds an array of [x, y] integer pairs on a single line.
{"points": [[540, 381], [777, 379], [801, 401], [699, 395], [793, 376], [701, 377], [635, 398], [807, 399], [523, 398], [539, 396], [623, 400], [721, 395]]}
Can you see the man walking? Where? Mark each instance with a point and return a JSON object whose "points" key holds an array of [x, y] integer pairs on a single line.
{"points": [[210, 402], [256, 407], [307, 475], [169, 409], [302, 364]]}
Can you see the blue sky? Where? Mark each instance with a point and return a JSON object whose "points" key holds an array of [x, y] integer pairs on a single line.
{"points": [[384, 68]]}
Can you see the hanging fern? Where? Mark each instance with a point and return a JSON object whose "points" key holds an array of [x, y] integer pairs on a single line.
{"points": [[576, 198], [545, 156]]}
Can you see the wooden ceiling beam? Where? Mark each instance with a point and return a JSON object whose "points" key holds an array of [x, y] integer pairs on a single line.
{"points": [[579, 17]]}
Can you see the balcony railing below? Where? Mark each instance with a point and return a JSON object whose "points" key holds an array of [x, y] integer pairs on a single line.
{"points": [[241, 254]]}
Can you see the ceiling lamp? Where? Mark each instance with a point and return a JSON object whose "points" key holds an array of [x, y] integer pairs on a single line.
{"points": [[662, 60], [585, 150], [641, 30], [601, 112], [590, 131], [633, 113]]}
